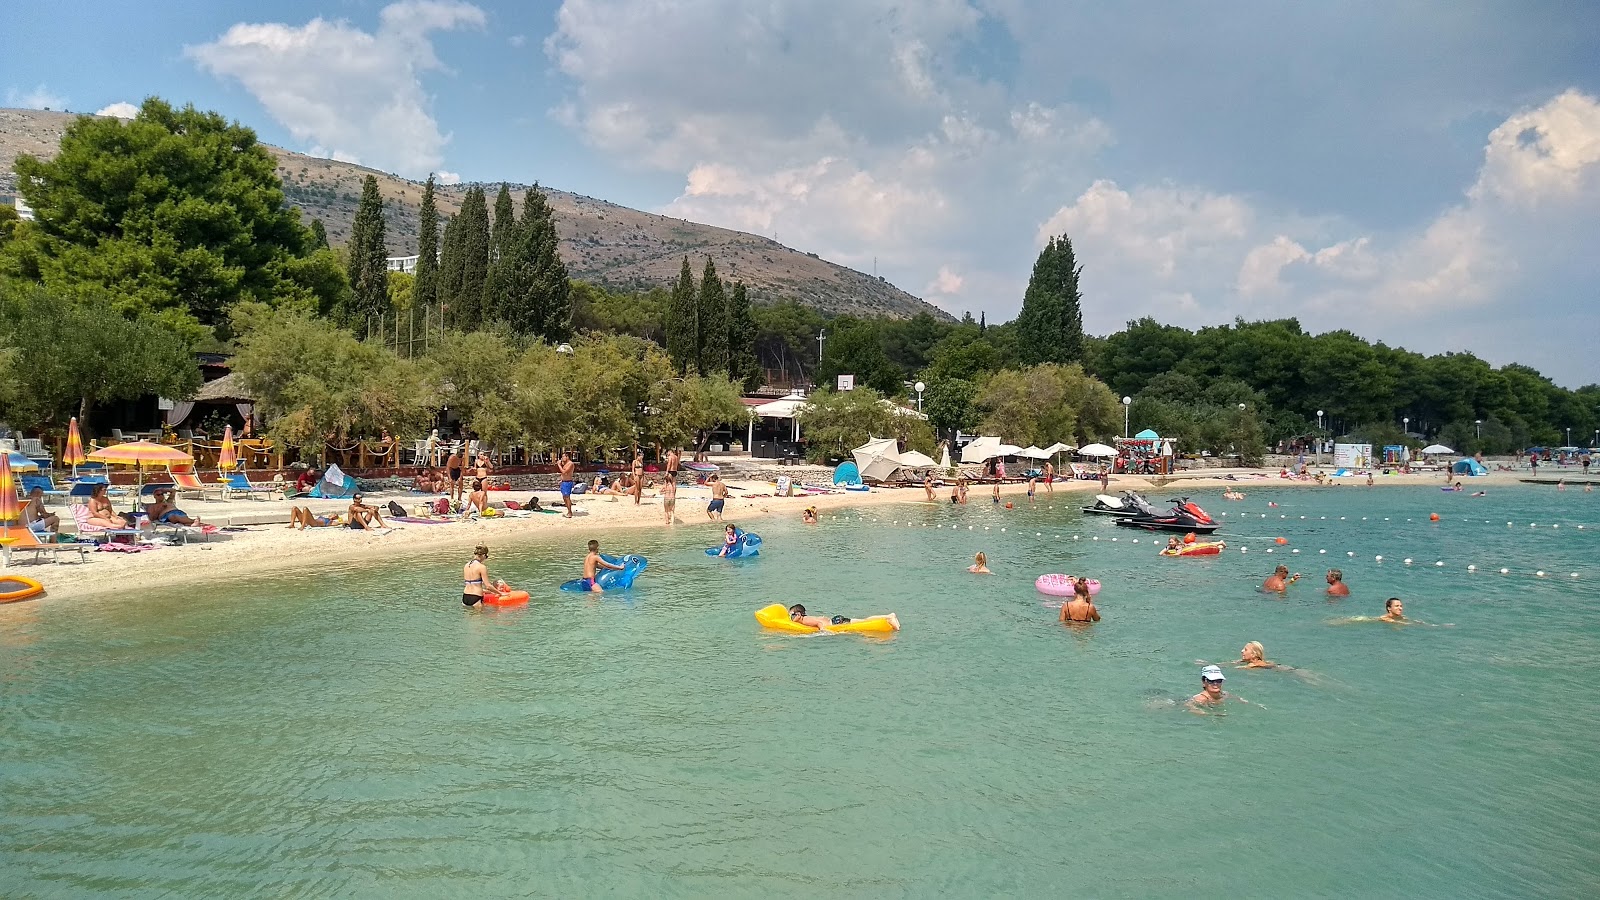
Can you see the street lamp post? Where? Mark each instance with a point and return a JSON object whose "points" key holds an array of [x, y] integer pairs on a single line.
{"points": [[919, 388], [1569, 435], [1478, 424], [1241, 435], [1319, 438], [1126, 402]]}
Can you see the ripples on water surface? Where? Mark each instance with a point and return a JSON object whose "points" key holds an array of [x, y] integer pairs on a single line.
{"points": [[360, 734]]}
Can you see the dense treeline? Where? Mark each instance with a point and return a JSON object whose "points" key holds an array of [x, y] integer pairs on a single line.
{"points": [[169, 233]]}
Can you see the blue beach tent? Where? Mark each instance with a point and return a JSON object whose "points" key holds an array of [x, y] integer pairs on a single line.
{"points": [[1468, 467], [846, 473]]}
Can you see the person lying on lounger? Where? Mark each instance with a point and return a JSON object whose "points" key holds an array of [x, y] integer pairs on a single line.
{"points": [[164, 512]]}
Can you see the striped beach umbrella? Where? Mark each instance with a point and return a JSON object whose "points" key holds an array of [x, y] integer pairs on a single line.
{"points": [[141, 454], [10, 509], [74, 455], [18, 462], [225, 457]]}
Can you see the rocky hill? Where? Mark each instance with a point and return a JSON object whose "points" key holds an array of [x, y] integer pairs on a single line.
{"points": [[609, 245]]}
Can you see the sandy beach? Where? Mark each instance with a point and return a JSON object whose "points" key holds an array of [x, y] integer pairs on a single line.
{"points": [[247, 550]]}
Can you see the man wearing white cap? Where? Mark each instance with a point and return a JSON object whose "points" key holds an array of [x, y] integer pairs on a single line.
{"points": [[1211, 692]]}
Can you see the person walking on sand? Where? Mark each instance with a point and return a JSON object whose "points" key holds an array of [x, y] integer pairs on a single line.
{"points": [[1080, 609], [669, 497], [454, 466], [1050, 478], [674, 458], [637, 488], [568, 470], [719, 498], [1105, 478], [475, 578], [1336, 585]]}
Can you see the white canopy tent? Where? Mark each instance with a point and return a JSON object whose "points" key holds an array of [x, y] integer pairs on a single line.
{"points": [[1096, 450], [785, 408]]}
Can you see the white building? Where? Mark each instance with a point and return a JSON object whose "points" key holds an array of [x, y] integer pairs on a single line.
{"points": [[406, 264], [24, 211]]}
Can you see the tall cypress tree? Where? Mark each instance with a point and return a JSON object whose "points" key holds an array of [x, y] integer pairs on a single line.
{"points": [[368, 264], [474, 225], [554, 289], [502, 234], [425, 291], [713, 322], [319, 235], [450, 270], [742, 365], [1050, 326], [683, 323]]}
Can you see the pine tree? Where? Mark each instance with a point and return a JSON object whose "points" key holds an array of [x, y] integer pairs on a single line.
{"points": [[450, 269], [683, 324], [502, 234], [742, 365], [554, 289], [368, 263], [425, 291], [474, 225], [713, 322], [319, 235], [1050, 326]]}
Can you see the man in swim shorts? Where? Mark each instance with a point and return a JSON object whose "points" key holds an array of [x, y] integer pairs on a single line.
{"points": [[591, 566], [1279, 580], [1049, 478], [453, 466], [1393, 611], [1336, 585], [567, 469], [719, 497], [361, 516]]}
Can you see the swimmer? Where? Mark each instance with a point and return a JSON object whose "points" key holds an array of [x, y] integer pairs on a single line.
{"points": [[1279, 580], [1172, 543], [1393, 613], [1231, 494], [980, 564], [1481, 494], [1211, 695], [955, 493], [730, 539], [1336, 585], [1254, 656], [809, 516], [996, 492], [1080, 609], [591, 566], [475, 577], [1031, 483], [797, 614]]}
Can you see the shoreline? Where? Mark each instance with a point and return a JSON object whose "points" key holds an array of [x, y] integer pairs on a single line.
{"points": [[276, 549]]}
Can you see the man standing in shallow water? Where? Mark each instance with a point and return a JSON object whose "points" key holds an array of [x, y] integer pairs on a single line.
{"points": [[1336, 585]]}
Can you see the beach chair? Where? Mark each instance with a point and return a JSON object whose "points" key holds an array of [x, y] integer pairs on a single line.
{"points": [[238, 481], [80, 516], [43, 482], [186, 481], [25, 541]]}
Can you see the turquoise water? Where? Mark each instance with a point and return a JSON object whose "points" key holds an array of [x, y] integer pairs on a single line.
{"points": [[360, 734]]}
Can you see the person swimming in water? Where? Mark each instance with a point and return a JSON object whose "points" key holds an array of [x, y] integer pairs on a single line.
{"points": [[1080, 609], [797, 614], [1173, 543], [1280, 579], [1211, 695], [1394, 613], [1336, 585], [809, 516], [1254, 656], [475, 578], [592, 564], [980, 564]]}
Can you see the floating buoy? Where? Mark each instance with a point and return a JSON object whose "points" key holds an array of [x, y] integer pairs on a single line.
{"points": [[1380, 559], [1269, 549], [1472, 568], [1295, 550], [1321, 552], [1408, 560], [1505, 571], [1433, 517], [1574, 574], [1281, 540], [1350, 553], [1008, 504], [1539, 574], [1439, 564]]}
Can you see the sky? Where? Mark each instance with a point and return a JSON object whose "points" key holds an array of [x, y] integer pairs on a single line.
{"points": [[1421, 173]]}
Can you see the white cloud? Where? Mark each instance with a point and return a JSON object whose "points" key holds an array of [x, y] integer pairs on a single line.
{"points": [[946, 283], [119, 110], [443, 177], [517, 40], [1548, 153], [40, 97], [334, 85]]}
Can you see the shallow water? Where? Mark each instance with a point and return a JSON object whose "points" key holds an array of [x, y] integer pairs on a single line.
{"points": [[360, 734]]}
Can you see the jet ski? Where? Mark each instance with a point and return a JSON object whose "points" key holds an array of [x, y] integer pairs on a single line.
{"points": [[1184, 516], [1129, 504]]}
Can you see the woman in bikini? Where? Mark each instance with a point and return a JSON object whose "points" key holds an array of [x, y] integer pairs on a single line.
{"points": [[475, 577], [101, 512]]}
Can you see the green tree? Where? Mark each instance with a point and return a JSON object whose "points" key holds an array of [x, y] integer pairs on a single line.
{"points": [[742, 366], [683, 323], [590, 399], [1129, 359], [853, 348], [176, 213], [368, 262], [682, 408], [834, 422], [503, 235], [552, 287], [451, 266], [948, 403], [786, 339], [425, 294], [1048, 403], [1050, 326], [319, 235], [473, 223], [471, 370], [713, 306], [65, 355], [640, 314]]}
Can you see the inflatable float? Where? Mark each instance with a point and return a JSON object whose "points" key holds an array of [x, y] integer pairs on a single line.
{"points": [[1199, 548], [1058, 585], [745, 545], [777, 618], [509, 598], [15, 587], [612, 579]]}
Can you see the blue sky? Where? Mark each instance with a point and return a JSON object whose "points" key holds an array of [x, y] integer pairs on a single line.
{"points": [[1425, 173]]}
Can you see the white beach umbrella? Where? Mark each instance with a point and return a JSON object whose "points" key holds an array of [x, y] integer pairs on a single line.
{"points": [[1058, 447], [944, 456], [877, 459], [1436, 449], [1096, 450], [1032, 452], [979, 450], [1007, 450], [911, 459]]}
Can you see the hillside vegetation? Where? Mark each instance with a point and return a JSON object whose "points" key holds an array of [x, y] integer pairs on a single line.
{"points": [[609, 245]]}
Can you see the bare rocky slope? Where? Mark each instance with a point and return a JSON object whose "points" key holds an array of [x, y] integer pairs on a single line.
{"points": [[609, 245]]}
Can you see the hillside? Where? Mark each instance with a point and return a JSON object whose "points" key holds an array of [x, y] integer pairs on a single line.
{"points": [[609, 245]]}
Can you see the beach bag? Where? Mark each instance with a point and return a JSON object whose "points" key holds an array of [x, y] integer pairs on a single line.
{"points": [[441, 506]]}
